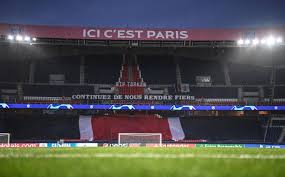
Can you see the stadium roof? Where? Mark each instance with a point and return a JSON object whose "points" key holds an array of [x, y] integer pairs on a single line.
{"points": [[155, 34]]}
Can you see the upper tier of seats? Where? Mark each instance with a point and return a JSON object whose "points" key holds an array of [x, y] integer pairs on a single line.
{"points": [[191, 68], [280, 76], [103, 69], [14, 70], [156, 69], [64, 65], [242, 74]]}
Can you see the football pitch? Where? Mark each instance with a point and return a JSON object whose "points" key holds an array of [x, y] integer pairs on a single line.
{"points": [[138, 162]]}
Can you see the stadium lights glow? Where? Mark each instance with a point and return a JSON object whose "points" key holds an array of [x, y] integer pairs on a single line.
{"points": [[240, 42], [255, 41], [268, 41], [19, 38], [11, 37], [27, 38], [263, 41], [279, 40], [247, 41]]}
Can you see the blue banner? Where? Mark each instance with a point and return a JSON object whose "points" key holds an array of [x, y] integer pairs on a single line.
{"points": [[267, 146], [140, 107]]}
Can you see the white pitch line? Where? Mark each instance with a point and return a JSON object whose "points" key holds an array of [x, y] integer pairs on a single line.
{"points": [[143, 156]]}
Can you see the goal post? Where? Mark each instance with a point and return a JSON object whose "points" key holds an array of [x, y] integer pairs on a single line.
{"points": [[140, 138], [5, 138]]}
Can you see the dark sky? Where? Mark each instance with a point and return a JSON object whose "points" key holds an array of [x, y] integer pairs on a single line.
{"points": [[146, 13]]}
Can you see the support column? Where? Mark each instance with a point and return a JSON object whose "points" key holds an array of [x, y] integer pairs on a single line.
{"points": [[261, 93], [240, 94], [273, 76], [227, 75], [178, 72], [20, 91], [32, 72], [124, 58], [82, 70]]}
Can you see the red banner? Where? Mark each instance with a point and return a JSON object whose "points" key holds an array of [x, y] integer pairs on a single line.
{"points": [[136, 34]]}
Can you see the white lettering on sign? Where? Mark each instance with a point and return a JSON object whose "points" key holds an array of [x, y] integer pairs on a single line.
{"points": [[91, 33], [136, 34], [184, 35], [108, 33], [150, 34]]}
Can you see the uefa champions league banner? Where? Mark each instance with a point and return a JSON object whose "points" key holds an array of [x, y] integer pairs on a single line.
{"points": [[140, 107]]}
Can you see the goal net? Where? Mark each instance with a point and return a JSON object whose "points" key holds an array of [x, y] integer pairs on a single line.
{"points": [[5, 138], [142, 138]]}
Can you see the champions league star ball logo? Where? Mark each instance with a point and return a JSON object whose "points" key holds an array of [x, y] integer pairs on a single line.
{"points": [[122, 107], [60, 106], [4, 106], [244, 108], [184, 107]]}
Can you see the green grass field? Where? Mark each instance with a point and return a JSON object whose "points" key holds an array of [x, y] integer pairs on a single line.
{"points": [[137, 162]]}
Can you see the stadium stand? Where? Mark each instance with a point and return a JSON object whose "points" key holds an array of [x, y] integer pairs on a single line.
{"points": [[68, 66], [279, 92], [59, 72], [190, 68], [214, 92], [56, 90], [245, 74], [214, 129], [106, 128], [280, 73], [40, 127], [156, 73], [157, 69], [103, 69], [20, 69]]}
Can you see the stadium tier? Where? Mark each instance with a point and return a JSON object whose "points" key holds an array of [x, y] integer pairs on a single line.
{"points": [[105, 128], [204, 80]]}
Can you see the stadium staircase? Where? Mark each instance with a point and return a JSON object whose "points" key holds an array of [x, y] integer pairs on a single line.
{"points": [[130, 75]]}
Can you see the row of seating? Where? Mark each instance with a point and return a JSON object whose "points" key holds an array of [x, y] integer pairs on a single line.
{"points": [[105, 69]]}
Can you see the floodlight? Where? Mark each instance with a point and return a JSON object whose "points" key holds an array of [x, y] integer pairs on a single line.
{"points": [[255, 41], [19, 38], [240, 42], [279, 40], [11, 37], [270, 41], [27, 38], [263, 41], [34, 39], [247, 42]]}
